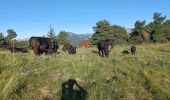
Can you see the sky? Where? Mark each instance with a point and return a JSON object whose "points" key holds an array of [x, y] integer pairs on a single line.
{"points": [[33, 17]]}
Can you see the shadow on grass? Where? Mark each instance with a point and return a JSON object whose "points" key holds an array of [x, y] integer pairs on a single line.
{"points": [[72, 91], [96, 52]]}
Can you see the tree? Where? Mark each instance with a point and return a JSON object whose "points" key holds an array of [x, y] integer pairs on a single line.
{"points": [[139, 27], [150, 27], [51, 34], [166, 29], [118, 33], [62, 37], [101, 30], [11, 34], [1, 39], [158, 19], [157, 34], [1, 36], [137, 35]]}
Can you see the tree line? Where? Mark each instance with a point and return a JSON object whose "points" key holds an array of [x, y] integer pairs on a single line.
{"points": [[157, 31]]}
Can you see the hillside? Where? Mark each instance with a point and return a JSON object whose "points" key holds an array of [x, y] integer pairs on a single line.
{"points": [[75, 39], [144, 76]]}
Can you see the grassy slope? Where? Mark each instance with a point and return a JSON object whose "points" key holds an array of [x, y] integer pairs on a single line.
{"points": [[144, 76]]}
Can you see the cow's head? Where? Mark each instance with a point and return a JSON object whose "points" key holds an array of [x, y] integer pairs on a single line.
{"points": [[53, 46]]}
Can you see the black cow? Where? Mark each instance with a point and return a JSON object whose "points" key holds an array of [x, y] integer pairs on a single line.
{"points": [[13, 49], [103, 46], [66, 47], [69, 48], [17, 50], [133, 50], [52, 48], [43, 45], [72, 50], [124, 52]]}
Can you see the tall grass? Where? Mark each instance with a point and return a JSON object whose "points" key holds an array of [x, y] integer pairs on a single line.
{"points": [[144, 76]]}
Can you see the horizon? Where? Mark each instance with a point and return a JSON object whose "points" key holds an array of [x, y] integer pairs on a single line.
{"points": [[33, 18]]}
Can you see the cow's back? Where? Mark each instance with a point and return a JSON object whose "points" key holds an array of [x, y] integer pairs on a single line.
{"points": [[38, 41]]}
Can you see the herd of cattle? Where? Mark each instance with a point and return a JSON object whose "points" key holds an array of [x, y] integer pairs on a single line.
{"points": [[45, 45], [42, 45]]}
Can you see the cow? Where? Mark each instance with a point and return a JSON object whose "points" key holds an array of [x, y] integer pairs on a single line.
{"points": [[52, 48], [124, 52], [17, 50], [85, 44], [133, 50], [72, 50], [66, 47], [14, 49], [69, 48], [103, 46], [43, 45]]}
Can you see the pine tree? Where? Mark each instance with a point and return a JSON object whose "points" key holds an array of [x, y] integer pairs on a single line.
{"points": [[51, 34]]}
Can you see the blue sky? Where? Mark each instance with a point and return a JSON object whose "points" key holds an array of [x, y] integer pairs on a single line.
{"points": [[33, 17]]}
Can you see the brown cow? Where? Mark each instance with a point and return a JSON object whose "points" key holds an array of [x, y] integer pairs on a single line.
{"points": [[85, 44]]}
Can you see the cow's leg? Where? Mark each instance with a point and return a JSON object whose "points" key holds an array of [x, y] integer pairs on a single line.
{"points": [[40, 51], [103, 53], [133, 53], [99, 52], [107, 53], [35, 51]]}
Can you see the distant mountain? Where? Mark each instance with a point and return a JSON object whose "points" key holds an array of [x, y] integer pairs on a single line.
{"points": [[75, 39]]}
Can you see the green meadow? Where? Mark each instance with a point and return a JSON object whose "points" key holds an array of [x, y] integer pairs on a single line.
{"points": [[145, 76]]}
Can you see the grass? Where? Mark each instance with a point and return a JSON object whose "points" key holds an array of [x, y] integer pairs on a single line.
{"points": [[144, 76]]}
